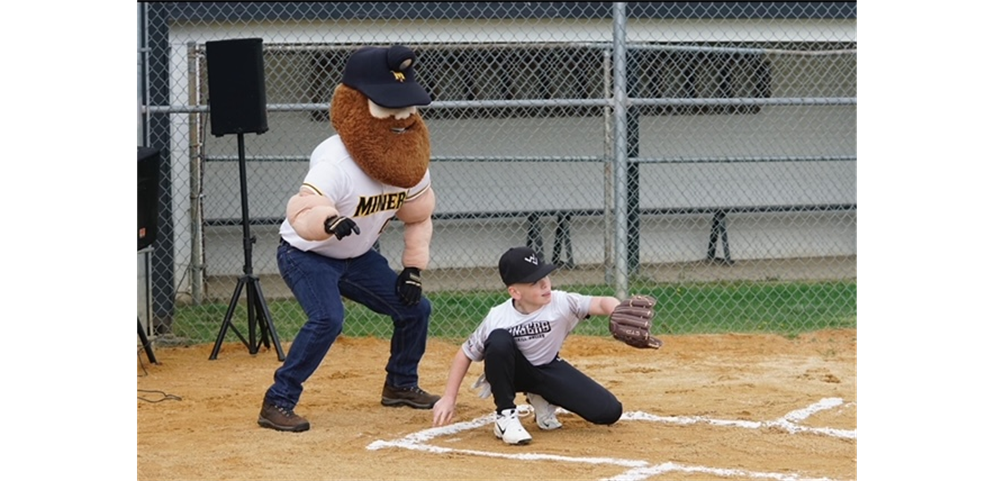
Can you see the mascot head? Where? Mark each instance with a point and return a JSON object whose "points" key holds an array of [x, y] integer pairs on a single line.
{"points": [[374, 110]]}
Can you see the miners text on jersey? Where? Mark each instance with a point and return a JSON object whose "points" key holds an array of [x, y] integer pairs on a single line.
{"points": [[368, 205]]}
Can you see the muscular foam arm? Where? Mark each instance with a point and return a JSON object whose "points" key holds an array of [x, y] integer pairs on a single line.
{"points": [[417, 217], [307, 211]]}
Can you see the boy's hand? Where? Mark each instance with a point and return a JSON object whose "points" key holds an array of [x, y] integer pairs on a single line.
{"points": [[443, 411]]}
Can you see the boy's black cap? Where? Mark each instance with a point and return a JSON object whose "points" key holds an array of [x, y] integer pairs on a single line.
{"points": [[386, 76], [522, 265]]}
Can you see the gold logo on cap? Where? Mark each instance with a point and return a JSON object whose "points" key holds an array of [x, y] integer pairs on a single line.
{"points": [[398, 76]]}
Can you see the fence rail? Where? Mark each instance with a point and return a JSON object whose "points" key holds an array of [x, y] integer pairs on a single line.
{"points": [[638, 140]]}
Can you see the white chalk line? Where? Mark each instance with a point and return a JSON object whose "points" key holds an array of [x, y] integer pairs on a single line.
{"points": [[640, 469], [787, 422], [638, 474]]}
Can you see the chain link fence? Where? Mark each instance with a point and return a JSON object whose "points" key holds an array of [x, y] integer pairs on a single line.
{"points": [[702, 153]]}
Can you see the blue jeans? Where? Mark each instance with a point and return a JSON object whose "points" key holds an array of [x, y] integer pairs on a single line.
{"points": [[319, 283]]}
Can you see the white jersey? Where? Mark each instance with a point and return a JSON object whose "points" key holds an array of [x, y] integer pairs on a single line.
{"points": [[540, 334], [369, 203]]}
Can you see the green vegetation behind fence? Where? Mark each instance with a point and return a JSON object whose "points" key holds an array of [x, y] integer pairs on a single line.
{"points": [[786, 308]]}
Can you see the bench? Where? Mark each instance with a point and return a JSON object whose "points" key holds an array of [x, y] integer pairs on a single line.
{"points": [[568, 198], [562, 253], [719, 232]]}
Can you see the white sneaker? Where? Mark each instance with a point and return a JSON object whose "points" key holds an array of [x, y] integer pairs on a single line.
{"points": [[509, 428], [545, 412]]}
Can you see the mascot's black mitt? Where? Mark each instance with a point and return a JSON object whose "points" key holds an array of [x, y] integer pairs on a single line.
{"points": [[631, 322]]}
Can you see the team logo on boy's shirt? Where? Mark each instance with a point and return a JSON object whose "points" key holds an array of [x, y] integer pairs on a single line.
{"points": [[531, 330]]}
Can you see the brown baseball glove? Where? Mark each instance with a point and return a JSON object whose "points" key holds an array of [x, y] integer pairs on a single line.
{"points": [[631, 322]]}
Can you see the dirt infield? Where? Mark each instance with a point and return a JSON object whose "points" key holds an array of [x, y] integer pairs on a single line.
{"points": [[701, 408]]}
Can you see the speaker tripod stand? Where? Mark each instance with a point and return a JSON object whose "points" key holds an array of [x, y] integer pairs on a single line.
{"points": [[259, 314]]}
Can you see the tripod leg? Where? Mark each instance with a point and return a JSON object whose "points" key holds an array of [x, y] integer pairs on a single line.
{"points": [[146, 344], [250, 308], [263, 316], [255, 315], [227, 322]]}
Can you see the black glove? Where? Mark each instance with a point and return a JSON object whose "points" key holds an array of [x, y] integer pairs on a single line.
{"points": [[409, 286], [340, 226]]}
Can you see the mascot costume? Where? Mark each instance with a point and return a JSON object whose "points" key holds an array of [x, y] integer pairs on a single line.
{"points": [[373, 170]]}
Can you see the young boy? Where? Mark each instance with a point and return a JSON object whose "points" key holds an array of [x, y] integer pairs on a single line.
{"points": [[519, 342]]}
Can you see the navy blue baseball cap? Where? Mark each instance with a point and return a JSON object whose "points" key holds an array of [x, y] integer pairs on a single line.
{"points": [[386, 76], [522, 265]]}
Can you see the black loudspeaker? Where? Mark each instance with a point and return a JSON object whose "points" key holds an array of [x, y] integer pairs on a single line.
{"points": [[148, 196], [236, 89]]}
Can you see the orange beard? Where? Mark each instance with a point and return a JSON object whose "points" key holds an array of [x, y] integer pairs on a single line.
{"points": [[398, 159]]}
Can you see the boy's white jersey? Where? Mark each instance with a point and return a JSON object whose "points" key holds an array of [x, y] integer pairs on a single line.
{"points": [[540, 334]]}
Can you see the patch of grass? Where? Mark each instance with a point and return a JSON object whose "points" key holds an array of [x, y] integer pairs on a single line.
{"points": [[786, 308]]}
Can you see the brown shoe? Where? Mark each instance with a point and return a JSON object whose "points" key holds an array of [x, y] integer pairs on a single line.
{"points": [[411, 396], [281, 419]]}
